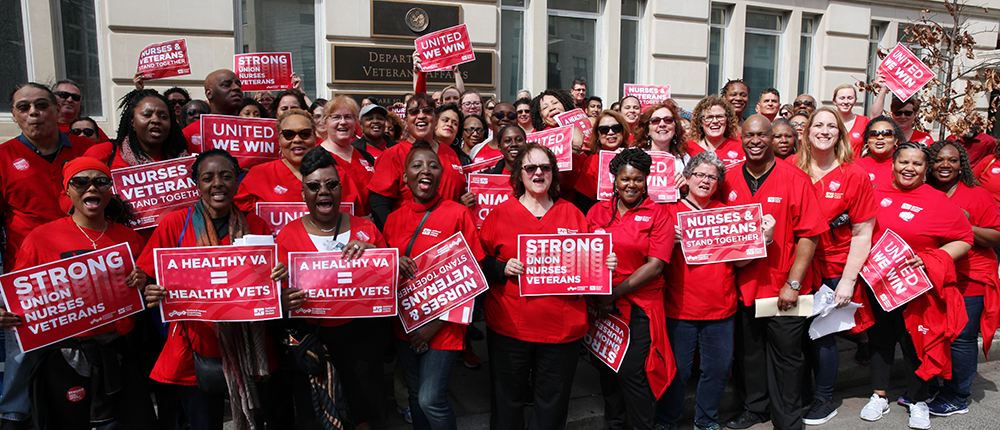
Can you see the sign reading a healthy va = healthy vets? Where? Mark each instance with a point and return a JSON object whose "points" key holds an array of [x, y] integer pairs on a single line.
{"points": [[218, 283], [448, 276], [252, 141], [443, 49], [564, 264], [722, 234], [890, 277], [904, 72], [336, 288], [164, 60], [64, 298], [560, 141], [576, 117], [264, 71], [156, 189]]}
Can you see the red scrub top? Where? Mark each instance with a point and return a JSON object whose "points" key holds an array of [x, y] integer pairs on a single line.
{"points": [[978, 148], [923, 217], [921, 137], [856, 135], [389, 167], [543, 319], [275, 182], [360, 171], [846, 188], [787, 195], [193, 135], [730, 152], [101, 136], [102, 151], [445, 220], [988, 174], [294, 238], [698, 291], [586, 183], [979, 264], [879, 171]]}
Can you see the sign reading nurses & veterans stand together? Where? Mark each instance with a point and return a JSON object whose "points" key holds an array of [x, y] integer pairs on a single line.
{"points": [[164, 60], [218, 283], [722, 234], [576, 117], [560, 141], [648, 95], [252, 141], [490, 191], [443, 49], [336, 288], [278, 214], [264, 71], [564, 264], [607, 339], [890, 277], [904, 72], [448, 276], [64, 298], [156, 189]]}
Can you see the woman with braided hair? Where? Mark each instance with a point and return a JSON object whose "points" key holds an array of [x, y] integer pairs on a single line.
{"points": [[642, 234], [147, 132]]}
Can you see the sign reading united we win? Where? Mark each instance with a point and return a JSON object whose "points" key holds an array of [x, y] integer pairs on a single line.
{"points": [[443, 49], [904, 72]]}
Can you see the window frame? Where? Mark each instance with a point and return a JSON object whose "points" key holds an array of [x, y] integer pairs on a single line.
{"points": [[639, 43], [724, 30], [321, 55], [810, 64], [525, 52], [594, 85], [60, 57], [779, 73], [6, 116]]}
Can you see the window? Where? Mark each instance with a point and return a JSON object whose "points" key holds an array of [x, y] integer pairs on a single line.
{"points": [[628, 62], [511, 48], [716, 36], [283, 26], [12, 49], [760, 50], [80, 57], [572, 42], [805, 53], [875, 35]]}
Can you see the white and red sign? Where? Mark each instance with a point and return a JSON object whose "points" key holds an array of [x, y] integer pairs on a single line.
{"points": [[722, 234], [607, 339], [660, 183], [564, 264], [890, 277], [278, 215], [481, 165], [264, 71], [398, 110], [578, 118], [64, 298], [648, 95], [443, 49], [156, 189], [904, 72], [252, 141], [447, 277], [490, 191], [336, 288], [560, 141], [164, 60], [218, 283], [605, 180]]}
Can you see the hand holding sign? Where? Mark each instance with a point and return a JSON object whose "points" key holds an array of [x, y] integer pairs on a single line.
{"points": [[443, 49], [264, 72], [252, 141], [164, 60], [565, 264], [722, 234]]}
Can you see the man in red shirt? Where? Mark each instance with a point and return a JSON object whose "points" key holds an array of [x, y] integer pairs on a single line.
{"points": [[769, 357], [70, 105], [225, 95], [977, 144]]}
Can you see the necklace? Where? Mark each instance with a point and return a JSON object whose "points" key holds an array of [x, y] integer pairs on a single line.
{"points": [[692, 203], [92, 241], [335, 229]]}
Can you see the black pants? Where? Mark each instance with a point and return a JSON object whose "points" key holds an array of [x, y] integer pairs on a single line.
{"points": [[552, 365], [769, 366], [890, 328], [628, 390], [357, 350]]}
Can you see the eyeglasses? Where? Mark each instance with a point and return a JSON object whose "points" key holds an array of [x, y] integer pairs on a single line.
{"points": [[39, 105], [656, 120], [523, 112], [67, 95], [475, 130], [84, 131], [471, 104], [81, 184], [904, 113], [193, 112], [798, 124], [304, 134], [509, 115], [315, 186], [714, 118], [701, 175], [532, 168], [336, 118], [803, 103], [883, 133], [426, 110], [605, 129]]}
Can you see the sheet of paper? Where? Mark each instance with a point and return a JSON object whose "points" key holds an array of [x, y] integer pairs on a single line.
{"points": [[254, 239], [769, 308], [830, 319]]}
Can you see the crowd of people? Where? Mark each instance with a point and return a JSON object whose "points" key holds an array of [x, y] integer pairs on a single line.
{"points": [[830, 183]]}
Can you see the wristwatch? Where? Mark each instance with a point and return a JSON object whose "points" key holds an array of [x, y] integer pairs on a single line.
{"points": [[794, 284]]}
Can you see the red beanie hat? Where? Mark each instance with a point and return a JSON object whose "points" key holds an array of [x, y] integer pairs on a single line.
{"points": [[80, 164]]}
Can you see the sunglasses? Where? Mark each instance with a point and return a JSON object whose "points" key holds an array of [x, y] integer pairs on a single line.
{"points": [[304, 134], [426, 110], [656, 120], [532, 168], [475, 130], [81, 184], [40, 105], [605, 129], [523, 112], [329, 185], [509, 115], [904, 113], [84, 131], [193, 112], [804, 103], [67, 95], [883, 133]]}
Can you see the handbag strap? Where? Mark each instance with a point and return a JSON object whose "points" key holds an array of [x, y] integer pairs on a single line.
{"points": [[980, 175], [184, 227], [419, 227]]}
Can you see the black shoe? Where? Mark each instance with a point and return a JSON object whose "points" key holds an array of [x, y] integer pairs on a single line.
{"points": [[745, 420], [474, 333], [820, 411]]}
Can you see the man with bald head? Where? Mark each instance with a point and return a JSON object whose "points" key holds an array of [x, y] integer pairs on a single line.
{"points": [[804, 103], [225, 96], [769, 356]]}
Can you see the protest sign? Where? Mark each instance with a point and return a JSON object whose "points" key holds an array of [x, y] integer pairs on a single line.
{"points": [[335, 288], [218, 283], [278, 215], [490, 191], [252, 141], [576, 117], [890, 277], [443, 49], [904, 72], [722, 234], [480, 166], [264, 71], [560, 141], [164, 60], [156, 189], [660, 182], [64, 298], [448, 276], [648, 95], [605, 181], [399, 111], [607, 339], [564, 264]]}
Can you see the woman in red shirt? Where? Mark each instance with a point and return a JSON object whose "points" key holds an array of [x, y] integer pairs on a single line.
{"points": [[848, 205], [844, 98], [610, 134], [904, 113], [526, 335], [976, 272], [882, 135], [148, 132], [714, 127], [642, 233], [356, 346], [660, 130], [213, 221], [786, 140], [98, 219], [341, 119], [631, 110], [987, 173], [427, 354]]}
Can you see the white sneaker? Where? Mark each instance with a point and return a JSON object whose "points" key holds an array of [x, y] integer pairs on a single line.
{"points": [[920, 417], [876, 406]]}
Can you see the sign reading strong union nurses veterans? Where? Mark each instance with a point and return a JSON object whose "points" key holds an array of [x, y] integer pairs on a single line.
{"points": [[264, 72], [156, 189], [722, 234], [335, 288], [64, 298], [607, 339], [904, 72], [252, 141], [564, 264], [890, 277], [164, 60]]}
